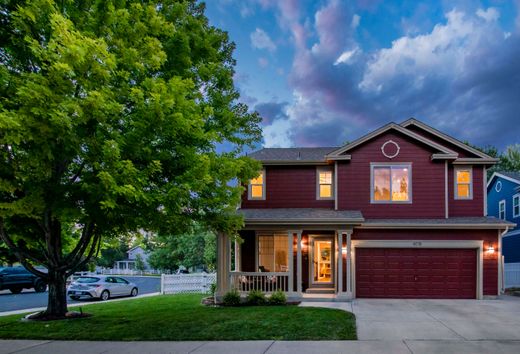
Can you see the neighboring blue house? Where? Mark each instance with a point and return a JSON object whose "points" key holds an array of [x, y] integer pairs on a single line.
{"points": [[503, 201]]}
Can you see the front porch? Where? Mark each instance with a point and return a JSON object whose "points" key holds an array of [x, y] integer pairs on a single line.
{"points": [[307, 264]]}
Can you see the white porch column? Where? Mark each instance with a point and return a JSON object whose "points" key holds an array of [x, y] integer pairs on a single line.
{"points": [[299, 263], [238, 258], [223, 263], [340, 262], [291, 261], [349, 263]]}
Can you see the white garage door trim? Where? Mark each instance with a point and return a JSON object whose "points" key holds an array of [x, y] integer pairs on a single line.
{"points": [[471, 244]]}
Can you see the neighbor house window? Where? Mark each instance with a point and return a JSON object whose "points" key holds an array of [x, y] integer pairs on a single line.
{"points": [[272, 252], [257, 186], [325, 184], [516, 205], [391, 183], [463, 183], [502, 209]]}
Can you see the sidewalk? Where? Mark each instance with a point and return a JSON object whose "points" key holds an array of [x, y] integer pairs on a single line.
{"points": [[260, 347]]}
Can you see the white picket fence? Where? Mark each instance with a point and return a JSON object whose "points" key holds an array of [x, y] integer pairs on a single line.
{"points": [[187, 283], [512, 275], [115, 271]]}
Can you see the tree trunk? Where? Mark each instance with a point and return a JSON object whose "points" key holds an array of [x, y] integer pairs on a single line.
{"points": [[57, 304]]}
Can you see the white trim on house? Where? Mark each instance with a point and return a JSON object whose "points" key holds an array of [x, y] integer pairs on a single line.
{"points": [[484, 191], [517, 195], [407, 165], [497, 174], [319, 170], [446, 153], [500, 203], [446, 194], [336, 183], [250, 190], [456, 183], [448, 138], [418, 244], [512, 233]]}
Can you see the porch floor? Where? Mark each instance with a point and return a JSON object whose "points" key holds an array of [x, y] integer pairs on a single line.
{"points": [[323, 298]]}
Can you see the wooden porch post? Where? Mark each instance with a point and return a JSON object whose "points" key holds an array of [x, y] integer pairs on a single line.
{"points": [[291, 261], [238, 258], [340, 262]]}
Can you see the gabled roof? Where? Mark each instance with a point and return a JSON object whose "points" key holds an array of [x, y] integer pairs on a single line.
{"points": [[456, 142], [292, 155], [444, 151], [512, 176]]}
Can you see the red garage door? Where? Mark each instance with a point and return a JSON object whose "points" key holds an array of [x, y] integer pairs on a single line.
{"points": [[416, 273]]}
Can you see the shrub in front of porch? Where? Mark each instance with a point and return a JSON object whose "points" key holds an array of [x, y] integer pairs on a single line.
{"points": [[256, 298], [278, 298], [231, 298]]}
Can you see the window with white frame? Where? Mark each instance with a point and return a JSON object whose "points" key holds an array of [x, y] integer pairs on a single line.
{"points": [[257, 187], [272, 252], [516, 205], [391, 183], [325, 183], [463, 183], [502, 209]]}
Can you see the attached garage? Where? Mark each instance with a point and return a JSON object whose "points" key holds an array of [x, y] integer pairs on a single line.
{"points": [[416, 273]]}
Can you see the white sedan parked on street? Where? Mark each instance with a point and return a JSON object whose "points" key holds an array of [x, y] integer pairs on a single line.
{"points": [[102, 287]]}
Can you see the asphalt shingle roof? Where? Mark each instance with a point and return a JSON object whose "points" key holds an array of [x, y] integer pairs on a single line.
{"points": [[301, 215], [480, 220], [511, 174], [292, 154]]}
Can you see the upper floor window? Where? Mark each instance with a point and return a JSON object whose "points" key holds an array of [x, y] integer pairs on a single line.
{"points": [[463, 183], [502, 209], [516, 205], [391, 183], [325, 184], [257, 186]]}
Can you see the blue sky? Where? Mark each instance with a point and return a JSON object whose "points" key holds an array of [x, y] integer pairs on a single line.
{"points": [[324, 72]]}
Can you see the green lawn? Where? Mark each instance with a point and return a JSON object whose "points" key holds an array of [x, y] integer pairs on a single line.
{"points": [[182, 317]]}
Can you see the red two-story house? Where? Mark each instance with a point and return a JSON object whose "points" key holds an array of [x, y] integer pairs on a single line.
{"points": [[398, 213]]}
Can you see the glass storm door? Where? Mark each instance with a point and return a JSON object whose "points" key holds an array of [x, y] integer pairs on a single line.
{"points": [[322, 260]]}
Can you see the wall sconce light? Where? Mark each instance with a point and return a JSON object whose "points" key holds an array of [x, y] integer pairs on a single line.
{"points": [[490, 248], [343, 250]]}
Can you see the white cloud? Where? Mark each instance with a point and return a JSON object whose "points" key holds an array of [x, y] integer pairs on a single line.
{"points": [[346, 57], [489, 15], [261, 40], [278, 134], [355, 21], [443, 51], [263, 62]]}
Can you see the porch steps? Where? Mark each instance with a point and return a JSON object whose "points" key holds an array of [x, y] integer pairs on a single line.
{"points": [[320, 291]]}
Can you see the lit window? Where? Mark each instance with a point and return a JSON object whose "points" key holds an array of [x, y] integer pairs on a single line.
{"points": [[516, 205], [325, 186], [463, 187], [502, 209], [272, 253], [257, 187], [391, 184]]}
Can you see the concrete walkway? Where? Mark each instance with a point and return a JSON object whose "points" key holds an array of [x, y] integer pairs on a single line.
{"points": [[261, 347], [459, 320]]}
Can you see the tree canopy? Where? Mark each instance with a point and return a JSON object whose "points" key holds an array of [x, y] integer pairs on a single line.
{"points": [[111, 112]]}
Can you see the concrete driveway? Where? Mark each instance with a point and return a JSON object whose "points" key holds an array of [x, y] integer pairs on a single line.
{"points": [[443, 326]]}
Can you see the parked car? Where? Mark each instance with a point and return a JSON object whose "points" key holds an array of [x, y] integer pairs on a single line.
{"points": [[102, 287], [18, 278]]}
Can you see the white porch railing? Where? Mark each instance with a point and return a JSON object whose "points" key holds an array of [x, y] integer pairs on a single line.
{"points": [[266, 282], [512, 275], [187, 283]]}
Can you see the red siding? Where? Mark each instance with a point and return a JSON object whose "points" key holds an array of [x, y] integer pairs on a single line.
{"points": [[470, 207], [490, 237], [440, 141], [428, 196], [289, 187]]}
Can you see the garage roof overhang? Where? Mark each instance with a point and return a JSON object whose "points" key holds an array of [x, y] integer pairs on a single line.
{"points": [[489, 223]]}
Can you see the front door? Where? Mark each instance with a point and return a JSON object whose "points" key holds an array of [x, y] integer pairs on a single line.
{"points": [[322, 260]]}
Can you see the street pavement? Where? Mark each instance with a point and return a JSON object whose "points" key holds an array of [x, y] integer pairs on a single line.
{"points": [[29, 299]]}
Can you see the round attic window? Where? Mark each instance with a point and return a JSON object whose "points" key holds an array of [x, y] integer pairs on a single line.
{"points": [[390, 149], [498, 186]]}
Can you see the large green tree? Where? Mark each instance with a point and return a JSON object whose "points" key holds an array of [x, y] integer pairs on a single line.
{"points": [[111, 112]]}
